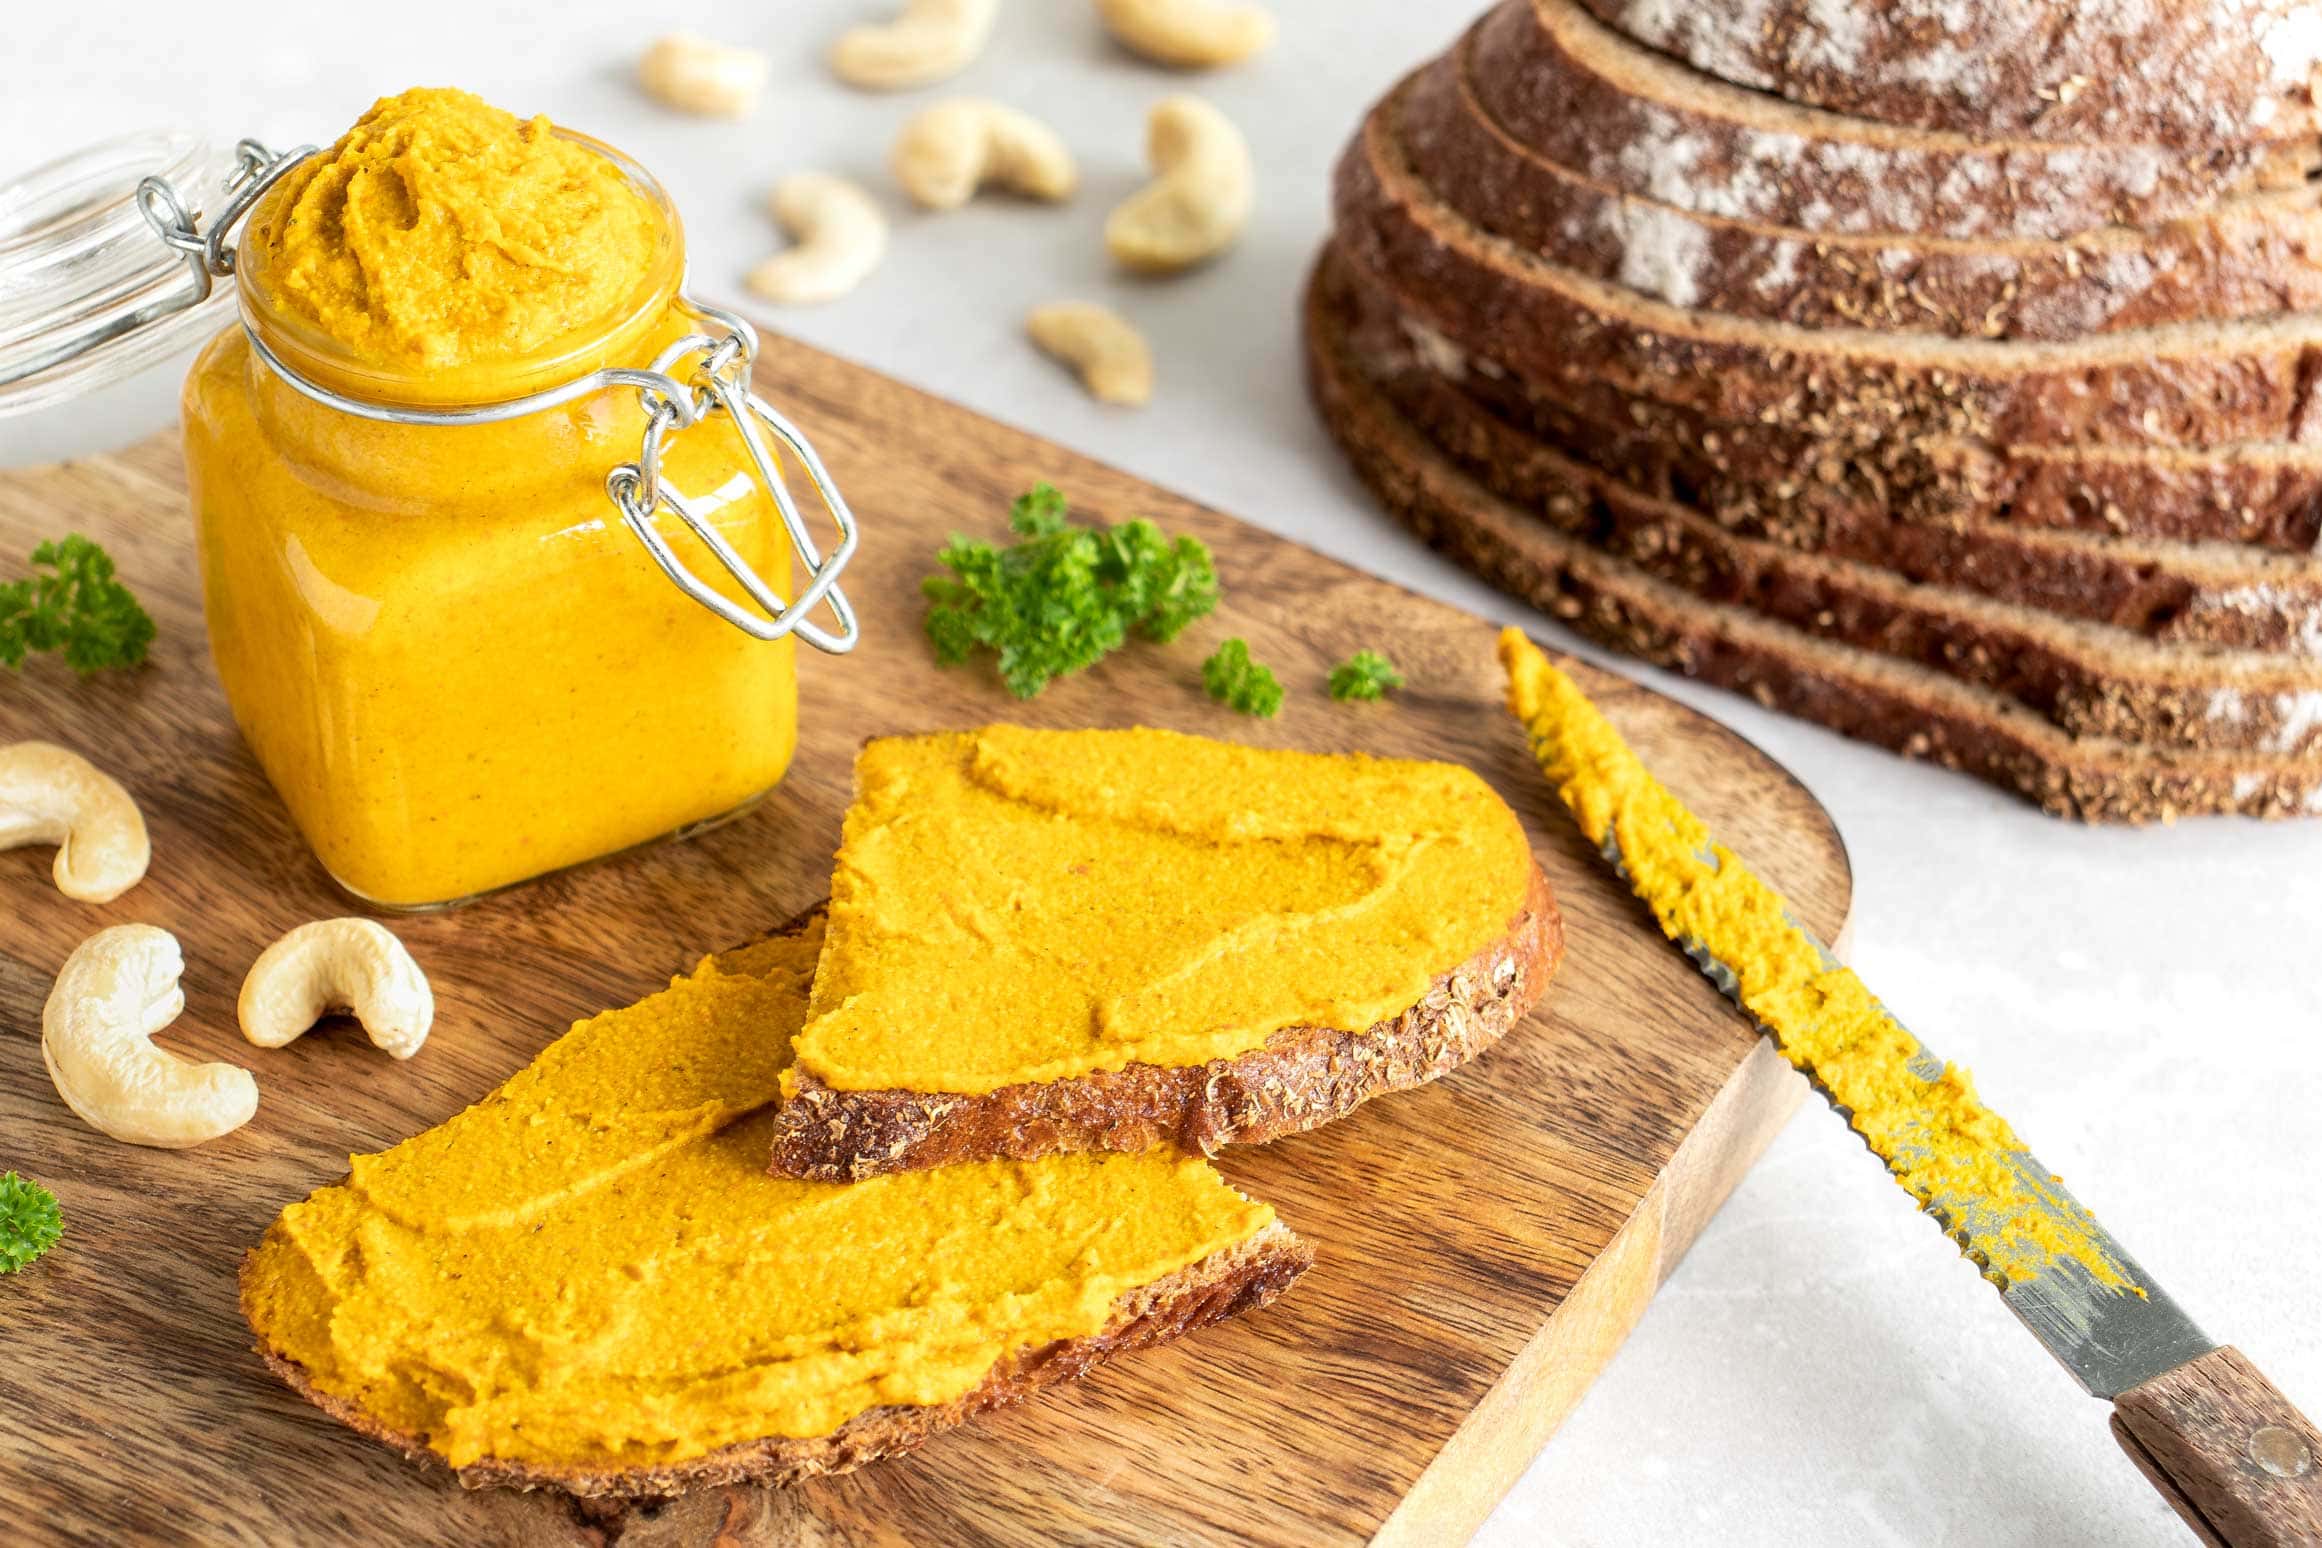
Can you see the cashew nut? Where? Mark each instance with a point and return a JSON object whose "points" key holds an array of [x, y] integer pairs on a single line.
{"points": [[694, 75], [1193, 34], [1200, 195], [838, 235], [931, 41], [51, 796], [1110, 354], [355, 966], [953, 148], [96, 1036]]}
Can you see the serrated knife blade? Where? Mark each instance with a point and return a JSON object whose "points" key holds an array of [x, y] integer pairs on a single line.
{"points": [[2238, 1461]]}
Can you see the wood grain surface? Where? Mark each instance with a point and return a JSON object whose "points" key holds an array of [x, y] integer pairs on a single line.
{"points": [[2228, 1451], [1485, 1243]]}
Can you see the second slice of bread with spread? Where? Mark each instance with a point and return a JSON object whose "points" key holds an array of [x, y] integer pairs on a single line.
{"points": [[1046, 941]]}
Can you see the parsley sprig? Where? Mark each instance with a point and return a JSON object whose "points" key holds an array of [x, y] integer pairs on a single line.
{"points": [[30, 1222], [76, 607], [1063, 596], [1364, 675], [1239, 683]]}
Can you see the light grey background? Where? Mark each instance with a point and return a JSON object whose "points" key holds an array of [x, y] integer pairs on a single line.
{"points": [[1823, 1369]]}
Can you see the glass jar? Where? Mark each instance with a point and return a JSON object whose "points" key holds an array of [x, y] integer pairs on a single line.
{"points": [[441, 602]]}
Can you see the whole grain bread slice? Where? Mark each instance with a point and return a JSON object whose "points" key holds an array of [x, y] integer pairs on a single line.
{"points": [[2090, 679], [1240, 1278], [2251, 256], [2186, 384], [2175, 72], [2201, 596], [1590, 99], [1906, 708], [2138, 431], [1301, 1078]]}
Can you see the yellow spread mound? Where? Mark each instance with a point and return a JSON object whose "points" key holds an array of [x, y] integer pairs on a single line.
{"points": [[1954, 1155], [1013, 905], [441, 231], [591, 1269]]}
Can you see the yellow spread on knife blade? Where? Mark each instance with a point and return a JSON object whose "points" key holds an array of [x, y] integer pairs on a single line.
{"points": [[1958, 1158]]}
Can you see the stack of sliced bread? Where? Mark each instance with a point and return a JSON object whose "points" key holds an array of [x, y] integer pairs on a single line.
{"points": [[1942, 372]]}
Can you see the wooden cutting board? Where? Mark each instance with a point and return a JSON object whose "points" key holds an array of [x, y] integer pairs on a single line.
{"points": [[1484, 1243]]}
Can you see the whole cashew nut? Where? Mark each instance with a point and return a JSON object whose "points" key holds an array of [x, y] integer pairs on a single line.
{"points": [[838, 235], [49, 795], [1111, 356], [116, 991], [954, 148], [1199, 198], [695, 75], [333, 965], [931, 41], [1192, 34]]}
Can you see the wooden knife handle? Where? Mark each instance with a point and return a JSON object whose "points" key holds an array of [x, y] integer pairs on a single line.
{"points": [[2239, 1463]]}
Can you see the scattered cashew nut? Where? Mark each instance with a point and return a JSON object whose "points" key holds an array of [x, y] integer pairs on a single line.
{"points": [[954, 148], [931, 41], [838, 237], [1200, 195], [356, 966], [1110, 354], [1192, 34], [49, 795], [116, 991], [695, 75]]}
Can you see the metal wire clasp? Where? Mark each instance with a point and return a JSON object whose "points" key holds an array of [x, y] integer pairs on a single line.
{"points": [[715, 380]]}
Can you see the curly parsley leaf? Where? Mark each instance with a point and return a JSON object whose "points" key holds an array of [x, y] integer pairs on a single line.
{"points": [[1239, 683], [30, 1222], [1062, 597], [1364, 675], [76, 607]]}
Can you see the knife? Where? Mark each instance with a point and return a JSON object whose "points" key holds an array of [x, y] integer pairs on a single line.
{"points": [[2239, 1463]]}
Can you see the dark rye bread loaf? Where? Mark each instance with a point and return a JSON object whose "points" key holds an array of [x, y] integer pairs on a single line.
{"points": [[2171, 71], [1924, 441], [1621, 115], [1894, 704], [2187, 384], [1240, 1278], [1302, 1078], [2195, 596], [2251, 255], [2090, 679]]}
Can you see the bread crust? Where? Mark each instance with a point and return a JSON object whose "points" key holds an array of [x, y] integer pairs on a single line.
{"points": [[1903, 707], [1301, 1078], [1240, 1278], [1917, 444], [2090, 679], [2251, 256], [2188, 71], [1623, 116]]}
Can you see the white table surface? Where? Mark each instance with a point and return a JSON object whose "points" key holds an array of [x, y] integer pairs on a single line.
{"points": [[1823, 1368]]}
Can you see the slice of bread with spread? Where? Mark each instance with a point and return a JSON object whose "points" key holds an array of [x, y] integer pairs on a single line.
{"points": [[589, 1282], [1896, 704], [2249, 256], [1107, 940], [2170, 71], [1621, 115]]}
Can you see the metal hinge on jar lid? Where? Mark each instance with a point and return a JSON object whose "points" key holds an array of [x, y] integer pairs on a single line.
{"points": [[705, 373]]}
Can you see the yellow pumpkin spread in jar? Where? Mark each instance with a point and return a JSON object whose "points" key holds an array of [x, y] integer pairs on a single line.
{"points": [[979, 937], [591, 1271], [455, 663]]}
